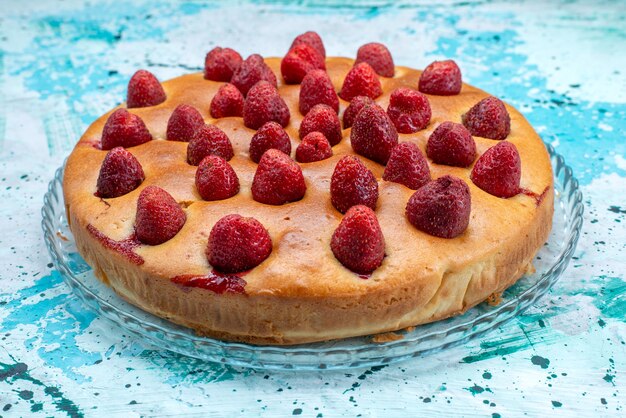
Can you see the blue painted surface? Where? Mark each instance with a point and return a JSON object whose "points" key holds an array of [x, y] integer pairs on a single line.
{"points": [[62, 65]]}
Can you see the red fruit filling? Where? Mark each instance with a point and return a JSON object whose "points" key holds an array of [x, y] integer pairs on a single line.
{"points": [[215, 281]]}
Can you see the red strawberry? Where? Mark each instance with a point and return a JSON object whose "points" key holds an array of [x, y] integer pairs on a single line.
{"points": [[442, 78], [123, 129], [356, 105], [159, 216], [409, 110], [322, 118], [216, 179], [312, 39], [373, 134], [238, 244], [451, 144], [264, 104], [221, 63], [270, 135], [358, 241], [316, 88], [352, 184], [378, 57], [441, 207], [488, 118], [362, 80], [209, 140], [278, 179], [184, 123], [299, 61], [144, 90], [314, 147], [498, 170], [250, 72], [120, 173], [407, 165], [228, 101]]}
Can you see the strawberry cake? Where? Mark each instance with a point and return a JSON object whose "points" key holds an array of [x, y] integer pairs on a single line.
{"points": [[308, 198]]}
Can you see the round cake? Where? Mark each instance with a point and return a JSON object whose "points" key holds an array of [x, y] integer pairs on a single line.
{"points": [[308, 198]]}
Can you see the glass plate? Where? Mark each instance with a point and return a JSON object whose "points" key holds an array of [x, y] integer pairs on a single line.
{"points": [[550, 262]]}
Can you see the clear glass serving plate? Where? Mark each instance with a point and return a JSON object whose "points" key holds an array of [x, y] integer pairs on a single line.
{"points": [[550, 262]]}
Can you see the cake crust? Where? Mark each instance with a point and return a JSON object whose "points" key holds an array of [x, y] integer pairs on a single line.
{"points": [[301, 293]]}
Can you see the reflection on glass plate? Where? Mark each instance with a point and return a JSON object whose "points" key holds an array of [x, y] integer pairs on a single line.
{"points": [[550, 262]]}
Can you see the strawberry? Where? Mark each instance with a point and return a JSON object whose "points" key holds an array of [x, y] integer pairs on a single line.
{"points": [[441, 78], [356, 105], [498, 170], [270, 135], [278, 179], [358, 241], [123, 129], [184, 123], [312, 39], [373, 134], [488, 118], [441, 207], [299, 61], [144, 90], [407, 165], [250, 72], [362, 80], [316, 88], [228, 101], [209, 140], [314, 147], [322, 118], [451, 144], [159, 216], [221, 63], [409, 110], [352, 184], [378, 57], [237, 244], [216, 179], [264, 104], [120, 173]]}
